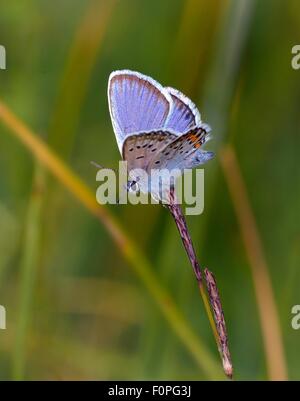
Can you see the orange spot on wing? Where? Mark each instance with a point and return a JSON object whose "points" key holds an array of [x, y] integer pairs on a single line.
{"points": [[193, 137]]}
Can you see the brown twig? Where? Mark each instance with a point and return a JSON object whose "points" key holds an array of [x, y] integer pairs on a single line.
{"points": [[217, 321], [216, 305], [179, 218]]}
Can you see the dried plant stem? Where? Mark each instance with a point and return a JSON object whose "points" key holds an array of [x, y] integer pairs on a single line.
{"points": [[216, 319], [269, 319], [215, 302]]}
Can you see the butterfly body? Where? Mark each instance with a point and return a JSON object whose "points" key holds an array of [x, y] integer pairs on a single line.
{"points": [[156, 128]]}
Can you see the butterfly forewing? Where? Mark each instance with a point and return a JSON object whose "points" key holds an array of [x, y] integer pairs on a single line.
{"points": [[137, 103]]}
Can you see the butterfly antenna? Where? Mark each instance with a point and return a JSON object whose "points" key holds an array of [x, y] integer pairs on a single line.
{"points": [[96, 164], [101, 167]]}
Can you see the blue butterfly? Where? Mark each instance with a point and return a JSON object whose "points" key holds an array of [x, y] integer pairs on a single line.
{"points": [[156, 127]]}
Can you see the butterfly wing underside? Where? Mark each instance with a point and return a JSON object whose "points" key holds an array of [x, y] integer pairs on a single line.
{"points": [[164, 151], [185, 151], [139, 149]]}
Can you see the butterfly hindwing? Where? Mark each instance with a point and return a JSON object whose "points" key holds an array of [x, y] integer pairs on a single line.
{"points": [[184, 152], [184, 115]]}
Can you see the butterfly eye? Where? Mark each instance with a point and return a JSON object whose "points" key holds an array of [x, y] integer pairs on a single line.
{"points": [[129, 185], [134, 187]]}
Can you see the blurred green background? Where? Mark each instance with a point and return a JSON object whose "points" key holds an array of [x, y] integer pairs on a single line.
{"points": [[75, 307]]}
